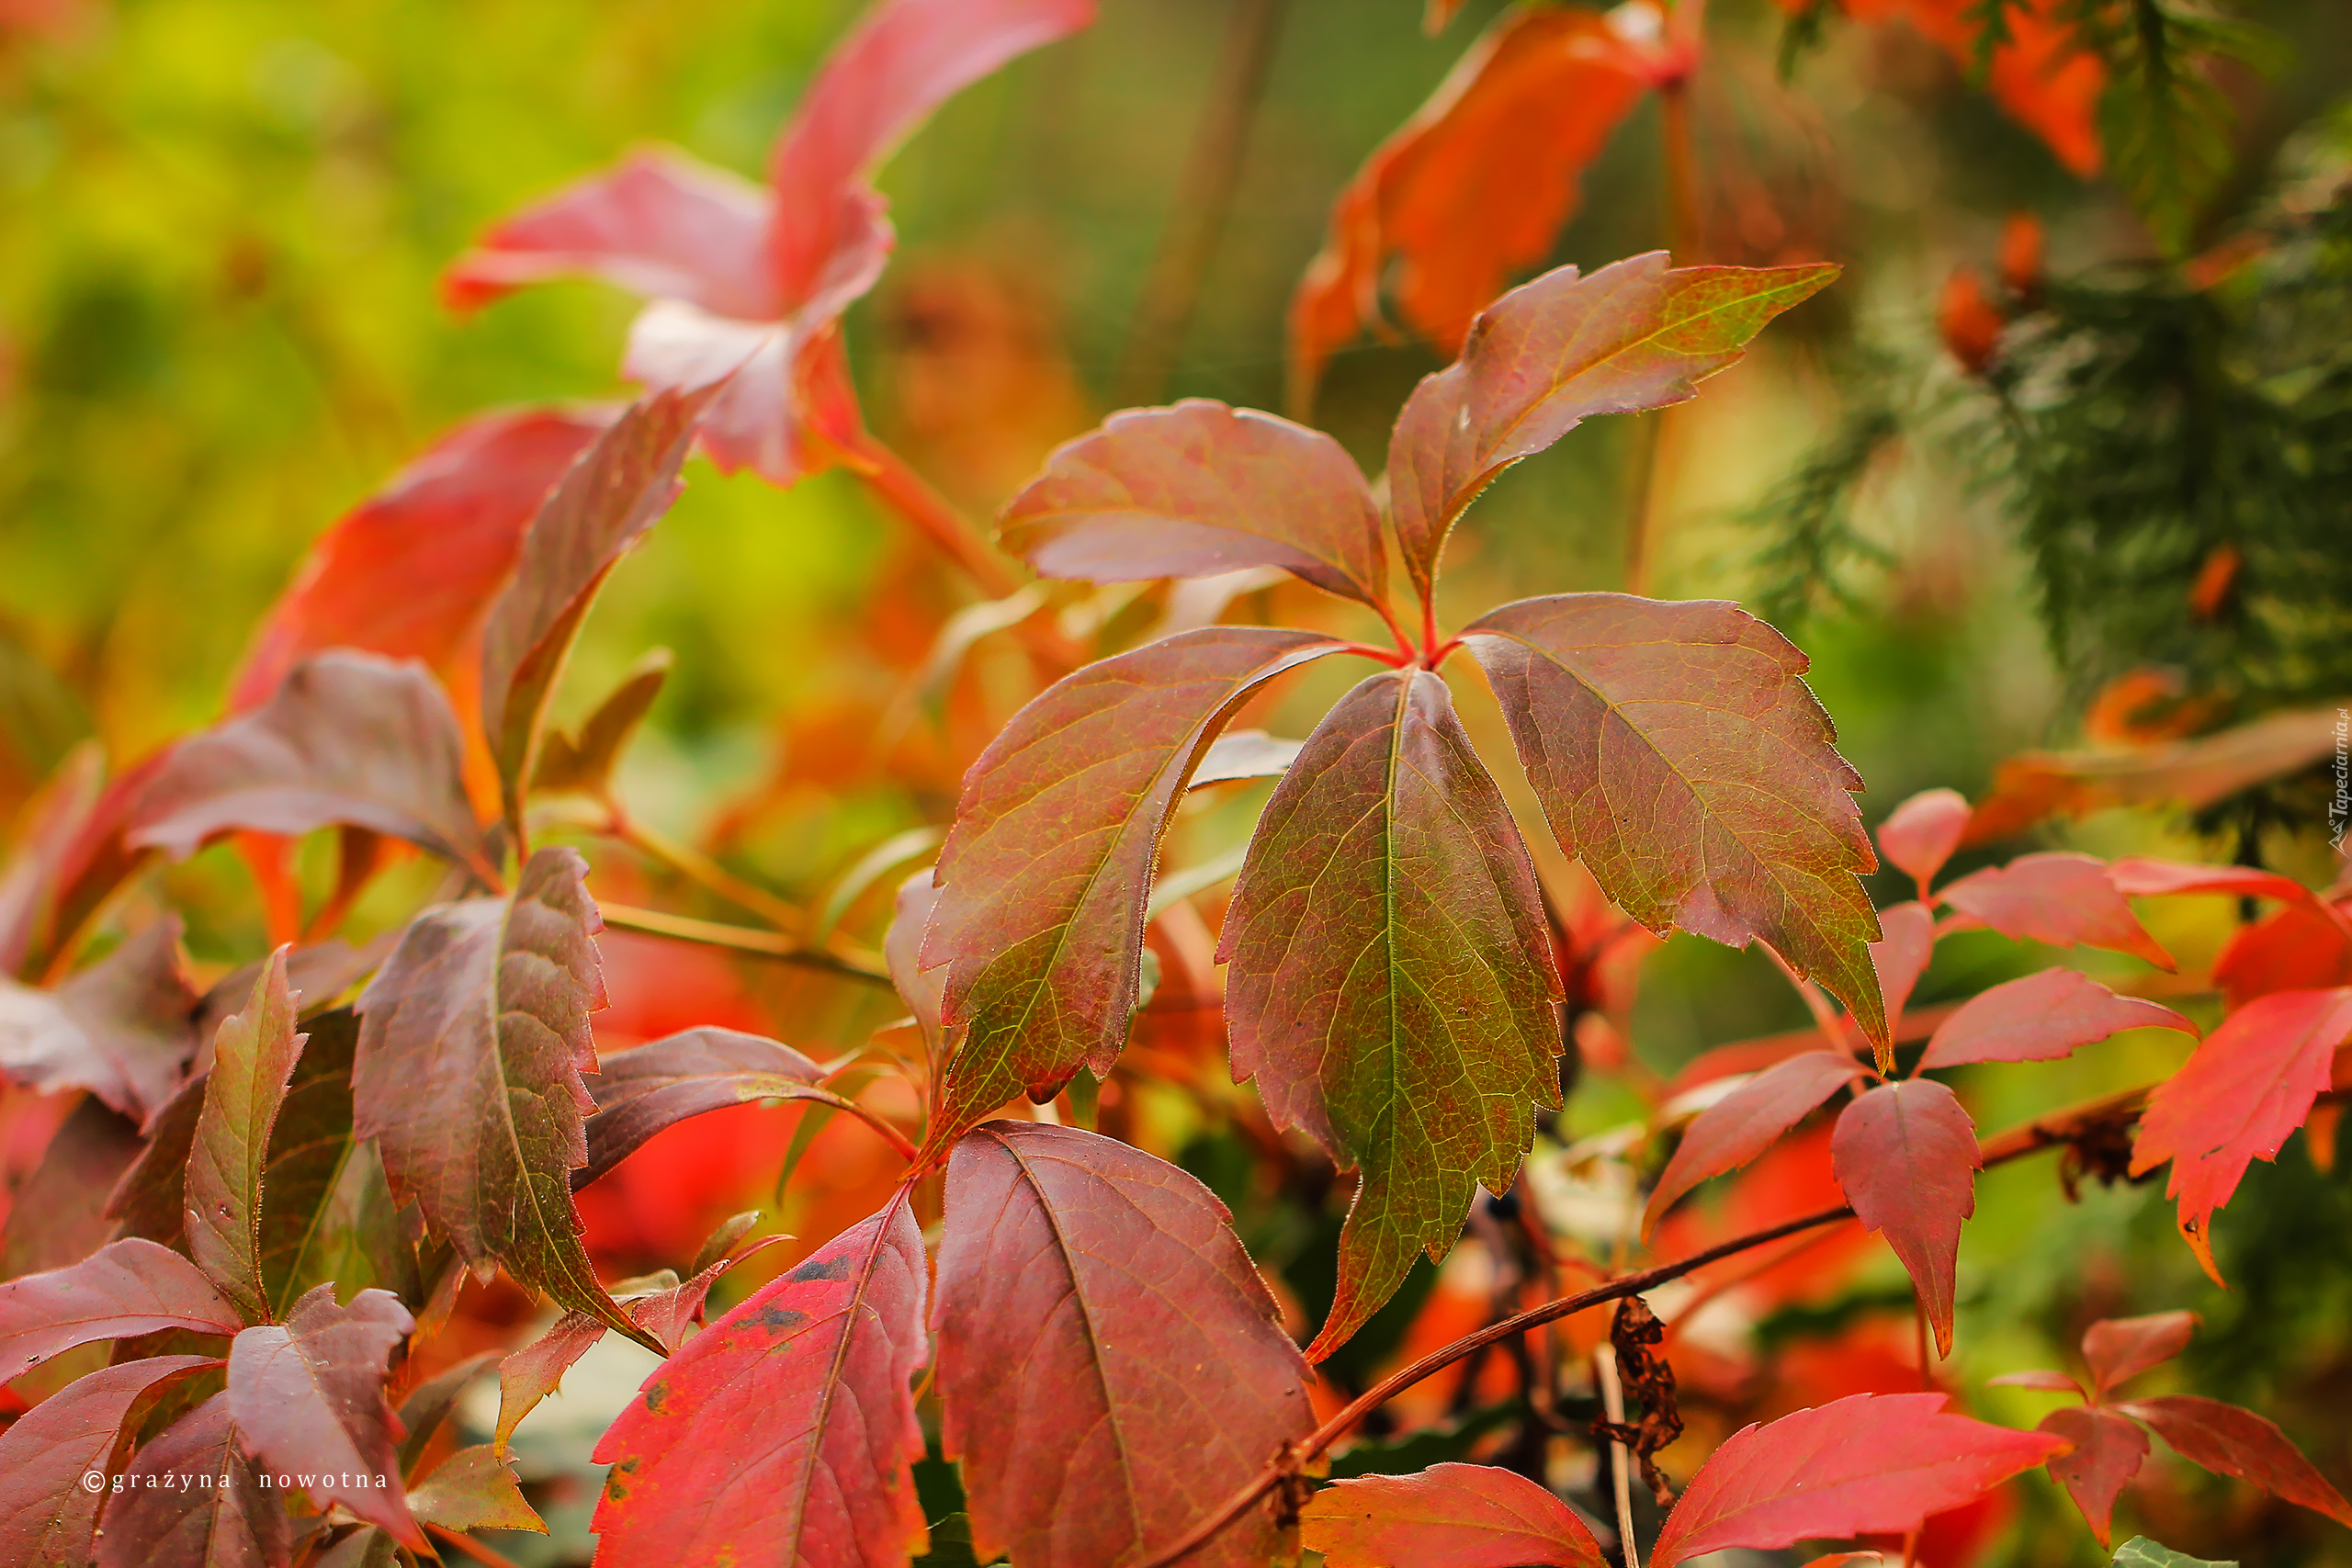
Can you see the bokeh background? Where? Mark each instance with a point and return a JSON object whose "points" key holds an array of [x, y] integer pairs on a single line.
{"points": [[222, 221]]}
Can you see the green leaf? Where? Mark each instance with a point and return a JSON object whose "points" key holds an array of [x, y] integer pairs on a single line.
{"points": [[472, 1041], [1044, 880], [1680, 754], [1392, 988], [254, 1056], [327, 1212], [2141, 1552]]}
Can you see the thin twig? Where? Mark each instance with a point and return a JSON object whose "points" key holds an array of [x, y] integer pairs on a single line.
{"points": [[742, 939], [487, 1556], [696, 866], [1833, 1028], [938, 519], [1621, 1459]]}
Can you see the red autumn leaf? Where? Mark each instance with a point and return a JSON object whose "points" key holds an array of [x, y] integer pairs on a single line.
{"points": [[2230, 1441], [410, 572], [2047, 1381], [1098, 1319], [2059, 899], [924, 991], [349, 738], [1968, 322], [758, 279], [121, 1029], [2039, 1019], [1449, 1515], [46, 1515], [1042, 882], [309, 1398], [472, 1041], [2117, 1349], [1197, 490], [2042, 76], [1863, 1465], [1920, 834], [1551, 354], [1905, 1154], [783, 1433], [1678, 753], [192, 1500], [620, 487], [80, 874], [1746, 1122], [1391, 986], [2109, 1451], [2248, 1086], [1907, 944], [46, 828], [638, 1092], [126, 1288], [1476, 184], [2297, 948], [253, 1057], [2139, 877]]}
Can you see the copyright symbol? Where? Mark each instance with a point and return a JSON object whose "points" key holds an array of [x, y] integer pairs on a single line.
{"points": [[94, 1480]]}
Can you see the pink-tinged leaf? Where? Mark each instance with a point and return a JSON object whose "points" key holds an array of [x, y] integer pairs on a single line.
{"points": [[659, 224], [2248, 1086], [472, 1043], [657, 1085], [1392, 988], [2109, 1451], [2039, 1019], [253, 1057], [784, 1434], [2235, 1442], [474, 1489], [1678, 752], [308, 1396], [1197, 490], [126, 1288], [58, 1214], [1865, 1465], [349, 738], [1044, 880], [48, 826], [410, 572], [47, 1518], [2056, 897], [124, 1028], [1905, 1154], [2045, 1382], [1449, 1515], [1551, 354], [924, 991], [1920, 834], [1111, 1367], [1746, 1122], [2117, 1349], [192, 1500], [2140, 877], [1907, 944], [620, 487], [148, 1197]]}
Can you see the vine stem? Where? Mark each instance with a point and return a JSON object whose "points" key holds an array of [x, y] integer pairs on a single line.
{"points": [[2043, 1132], [1833, 1029], [696, 866], [741, 938], [488, 1556], [938, 519]]}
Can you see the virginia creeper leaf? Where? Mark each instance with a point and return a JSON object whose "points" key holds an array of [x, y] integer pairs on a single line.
{"points": [[309, 1397], [1552, 352], [348, 737], [1907, 944], [2230, 1441], [783, 1433], [253, 1057], [327, 1211], [1920, 834], [2109, 1451], [2117, 1349], [126, 1288], [2246, 1088], [148, 1197], [47, 1519], [58, 1214], [2139, 877], [1043, 881], [640, 1092], [1746, 1122], [1678, 753], [472, 1041], [2298, 947], [408, 573], [474, 1489], [2045, 1380], [223, 1520], [1905, 1154], [583, 763], [123, 1028], [1449, 1515], [2056, 897], [1866, 1464], [429, 1404], [620, 487], [1110, 1365], [1392, 990], [1199, 489], [2039, 1019]]}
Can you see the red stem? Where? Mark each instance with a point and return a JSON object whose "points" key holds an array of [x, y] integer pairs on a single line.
{"points": [[938, 519], [1388, 655]]}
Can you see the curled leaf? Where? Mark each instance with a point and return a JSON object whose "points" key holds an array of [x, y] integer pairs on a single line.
{"points": [[1746, 1122], [657, 1085]]}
